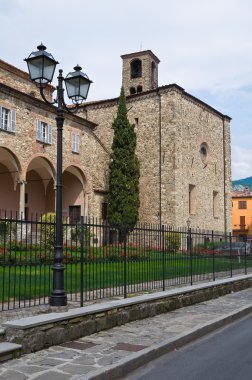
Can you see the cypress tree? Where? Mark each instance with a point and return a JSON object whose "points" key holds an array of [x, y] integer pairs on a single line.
{"points": [[124, 172]]}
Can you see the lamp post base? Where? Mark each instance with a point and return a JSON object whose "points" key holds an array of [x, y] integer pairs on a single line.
{"points": [[58, 299], [58, 295]]}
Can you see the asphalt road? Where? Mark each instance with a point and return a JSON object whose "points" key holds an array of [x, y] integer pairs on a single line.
{"points": [[223, 355]]}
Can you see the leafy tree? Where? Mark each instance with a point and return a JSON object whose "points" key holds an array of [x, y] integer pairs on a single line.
{"points": [[124, 172]]}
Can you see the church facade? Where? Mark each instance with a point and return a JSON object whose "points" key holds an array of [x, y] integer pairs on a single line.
{"points": [[183, 146]]}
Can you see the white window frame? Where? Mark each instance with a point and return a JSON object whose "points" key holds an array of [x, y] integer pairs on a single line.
{"points": [[75, 142], [43, 132], [7, 120]]}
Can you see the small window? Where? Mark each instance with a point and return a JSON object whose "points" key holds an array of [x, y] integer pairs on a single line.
{"points": [[192, 199], [44, 132], [136, 68], [7, 120], [75, 142], [242, 205], [204, 152], [215, 204], [139, 88], [132, 90], [104, 210]]}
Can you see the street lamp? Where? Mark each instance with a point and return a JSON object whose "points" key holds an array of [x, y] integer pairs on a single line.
{"points": [[41, 66]]}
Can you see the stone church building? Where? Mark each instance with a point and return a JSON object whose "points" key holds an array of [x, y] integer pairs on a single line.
{"points": [[183, 146]]}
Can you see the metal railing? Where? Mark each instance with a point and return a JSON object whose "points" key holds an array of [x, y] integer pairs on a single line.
{"points": [[102, 261]]}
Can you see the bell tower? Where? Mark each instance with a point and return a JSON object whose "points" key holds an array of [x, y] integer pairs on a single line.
{"points": [[140, 72]]}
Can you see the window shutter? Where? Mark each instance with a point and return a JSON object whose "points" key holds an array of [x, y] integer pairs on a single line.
{"points": [[1, 124], [77, 142], [73, 142], [38, 131], [49, 134], [13, 121]]}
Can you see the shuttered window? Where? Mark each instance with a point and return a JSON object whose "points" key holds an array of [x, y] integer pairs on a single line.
{"points": [[43, 132], [75, 142], [7, 120]]}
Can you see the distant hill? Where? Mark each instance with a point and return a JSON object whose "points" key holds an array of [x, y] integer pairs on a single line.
{"points": [[240, 184]]}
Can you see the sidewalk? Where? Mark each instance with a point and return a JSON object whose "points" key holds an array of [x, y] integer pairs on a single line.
{"points": [[111, 354]]}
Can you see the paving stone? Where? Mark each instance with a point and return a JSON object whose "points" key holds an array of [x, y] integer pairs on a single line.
{"points": [[97, 352], [78, 345], [12, 375], [29, 369], [128, 347], [50, 362], [88, 360], [50, 375], [62, 355], [77, 369]]}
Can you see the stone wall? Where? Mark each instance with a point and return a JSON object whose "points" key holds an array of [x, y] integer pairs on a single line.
{"points": [[36, 333], [18, 79], [171, 126]]}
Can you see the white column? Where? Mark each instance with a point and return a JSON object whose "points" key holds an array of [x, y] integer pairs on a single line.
{"points": [[85, 196], [22, 199]]}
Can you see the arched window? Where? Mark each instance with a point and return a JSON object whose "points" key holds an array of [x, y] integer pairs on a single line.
{"points": [[136, 68], [139, 88], [132, 90]]}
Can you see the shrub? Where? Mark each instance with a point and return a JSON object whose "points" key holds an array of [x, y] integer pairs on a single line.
{"points": [[48, 230], [7, 230], [76, 234], [172, 241]]}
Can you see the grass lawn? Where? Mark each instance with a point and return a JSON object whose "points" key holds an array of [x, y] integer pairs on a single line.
{"points": [[28, 281]]}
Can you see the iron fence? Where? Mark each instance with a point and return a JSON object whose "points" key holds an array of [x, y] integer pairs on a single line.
{"points": [[102, 261]]}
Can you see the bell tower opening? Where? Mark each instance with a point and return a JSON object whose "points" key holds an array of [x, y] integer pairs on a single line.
{"points": [[136, 68]]}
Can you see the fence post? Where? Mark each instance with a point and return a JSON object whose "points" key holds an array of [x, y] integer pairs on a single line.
{"points": [[190, 253], [82, 263], [230, 251], [163, 254], [125, 264], [213, 254]]}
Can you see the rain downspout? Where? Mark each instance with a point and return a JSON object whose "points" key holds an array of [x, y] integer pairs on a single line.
{"points": [[224, 175], [160, 156]]}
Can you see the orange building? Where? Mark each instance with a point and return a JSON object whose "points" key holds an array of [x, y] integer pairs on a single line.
{"points": [[242, 213]]}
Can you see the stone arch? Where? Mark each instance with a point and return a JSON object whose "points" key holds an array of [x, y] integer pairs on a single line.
{"points": [[132, 90], [74, 196], [10, 173], [39, 187], [139, 88]]}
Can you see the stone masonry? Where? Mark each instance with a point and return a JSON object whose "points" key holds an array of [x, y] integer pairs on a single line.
{"points": [[172, 126], [183, 145]]}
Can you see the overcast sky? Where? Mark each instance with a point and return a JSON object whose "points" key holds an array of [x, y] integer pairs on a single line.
{"points": [[205, 46]]}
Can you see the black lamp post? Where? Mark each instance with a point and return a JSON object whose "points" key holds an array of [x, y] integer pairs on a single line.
{"points": [[41, 65]]}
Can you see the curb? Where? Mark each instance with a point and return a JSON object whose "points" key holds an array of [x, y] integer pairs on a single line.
{"points": [[126, 366]]}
